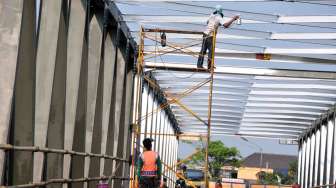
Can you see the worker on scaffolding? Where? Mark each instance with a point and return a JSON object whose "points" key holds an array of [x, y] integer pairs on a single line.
{"points": [[149, 166], [215, 20]]}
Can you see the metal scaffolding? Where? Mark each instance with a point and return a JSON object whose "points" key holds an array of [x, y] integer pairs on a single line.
{"points": [[147, 35]]}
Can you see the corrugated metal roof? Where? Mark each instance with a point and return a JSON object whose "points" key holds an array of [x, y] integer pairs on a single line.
{"points": [[276, 98]]}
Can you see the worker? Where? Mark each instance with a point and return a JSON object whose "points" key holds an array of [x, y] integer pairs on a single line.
{"points": [[149, 166], [215, 20]]}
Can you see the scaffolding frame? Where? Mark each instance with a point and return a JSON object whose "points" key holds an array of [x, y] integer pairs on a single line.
{"points": [[141, 77]]}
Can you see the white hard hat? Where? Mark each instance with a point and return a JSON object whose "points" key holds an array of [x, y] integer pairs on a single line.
{"points": [[219, 8]]}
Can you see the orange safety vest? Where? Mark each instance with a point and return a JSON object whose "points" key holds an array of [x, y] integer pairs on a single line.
{"points": [[149, 167]]}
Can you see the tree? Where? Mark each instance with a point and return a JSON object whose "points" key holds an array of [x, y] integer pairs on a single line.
{"points": [[268, 178], [219, 155], [292, 174], [272, 178]]}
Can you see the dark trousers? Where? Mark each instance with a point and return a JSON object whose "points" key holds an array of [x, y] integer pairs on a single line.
{"points": [[206, 46], [149, 182]]}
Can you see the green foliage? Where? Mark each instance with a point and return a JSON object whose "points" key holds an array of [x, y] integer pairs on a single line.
{"points": [[219, 155], [272, 178], [292, 173], [267, 178]]}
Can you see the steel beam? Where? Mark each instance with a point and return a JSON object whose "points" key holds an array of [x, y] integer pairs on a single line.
{"points": [[244, 71]]}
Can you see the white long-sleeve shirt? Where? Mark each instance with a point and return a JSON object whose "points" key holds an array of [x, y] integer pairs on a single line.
{"points": [[214, 21]]}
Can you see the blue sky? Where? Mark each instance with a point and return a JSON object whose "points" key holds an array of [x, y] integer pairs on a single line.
{"points": [[268, 146]]}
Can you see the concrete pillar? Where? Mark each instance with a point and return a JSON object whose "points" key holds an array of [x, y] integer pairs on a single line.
{"points": [[45, 66], [23, 127], [118, 96], [10, 25], [110, 55], [127, 121], [77, 15], [109, 69], [77, 162], [55, 133], [94, 62]]}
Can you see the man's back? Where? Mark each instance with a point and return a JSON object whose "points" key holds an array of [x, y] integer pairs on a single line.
{"points": [[214, 21]]}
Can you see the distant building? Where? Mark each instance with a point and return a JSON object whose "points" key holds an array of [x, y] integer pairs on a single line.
{"points": [[270, 163], [251, 166]]}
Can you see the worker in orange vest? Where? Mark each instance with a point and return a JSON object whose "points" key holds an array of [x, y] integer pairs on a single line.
{"points": [[149, 166]]}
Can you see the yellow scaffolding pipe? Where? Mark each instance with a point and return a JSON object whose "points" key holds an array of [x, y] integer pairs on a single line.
{"points": [[137, 107], [212, 67]]}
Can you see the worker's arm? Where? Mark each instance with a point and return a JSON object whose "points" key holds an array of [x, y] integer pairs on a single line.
{"points": [[228, 24], [159, 167], [140, 164]]}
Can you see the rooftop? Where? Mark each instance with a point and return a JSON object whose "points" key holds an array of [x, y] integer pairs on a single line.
{"points": [[274, 161]]}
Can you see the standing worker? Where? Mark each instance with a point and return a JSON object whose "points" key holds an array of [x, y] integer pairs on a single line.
{"points": [[149, 166], [215, 20]]}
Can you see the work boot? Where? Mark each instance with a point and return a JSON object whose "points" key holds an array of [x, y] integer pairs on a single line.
{"points": [[200, 67]]}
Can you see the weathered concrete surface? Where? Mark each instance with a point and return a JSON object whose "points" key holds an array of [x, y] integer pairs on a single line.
{"points": [[10, 25], [55, 132], [77, 162], [24, 101], [109, 64], [127, 121], [45, 65], [119, 85], [74, 60], [94, 60]]}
